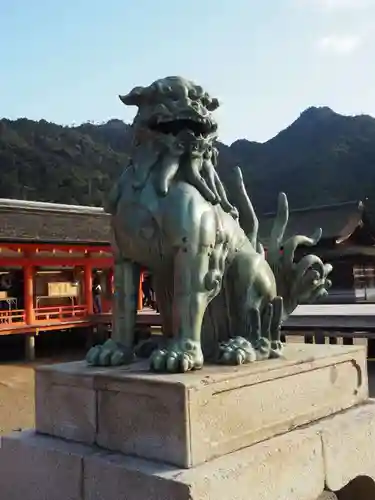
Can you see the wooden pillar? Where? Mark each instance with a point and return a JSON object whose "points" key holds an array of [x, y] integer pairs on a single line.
{"points": [[140, 293], [29, 294], [30, 348], [87, 273], [110, 281]]}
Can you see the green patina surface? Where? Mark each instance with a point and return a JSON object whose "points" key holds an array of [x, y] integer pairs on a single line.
{"points": [[219, 296]]}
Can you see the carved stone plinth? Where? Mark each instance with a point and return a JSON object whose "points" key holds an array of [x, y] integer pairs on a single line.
{"points": [[188, 419], [283, 429]]}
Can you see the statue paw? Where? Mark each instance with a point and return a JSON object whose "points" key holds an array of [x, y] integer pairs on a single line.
{"points": [[181, 356], [276, 349], [263, 348], [237, 351], [109, 354]]}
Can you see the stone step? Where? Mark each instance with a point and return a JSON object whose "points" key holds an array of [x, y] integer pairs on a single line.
{"points": [[188, 419], [297, 465]]}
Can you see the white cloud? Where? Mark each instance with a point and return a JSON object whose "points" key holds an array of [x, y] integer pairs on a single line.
{"points": [[339, 44]]}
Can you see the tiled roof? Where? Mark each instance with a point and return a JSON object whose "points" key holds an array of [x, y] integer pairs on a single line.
{"points": [[50, 222], [336, 221]]}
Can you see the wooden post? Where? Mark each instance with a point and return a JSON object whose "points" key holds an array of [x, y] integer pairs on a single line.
{"points": [[29, 294], [110, 285], [89, 301], [140, 293], [30, 348]]}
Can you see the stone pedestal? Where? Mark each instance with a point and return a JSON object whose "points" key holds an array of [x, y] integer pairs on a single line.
{"points": [[275, 430]]}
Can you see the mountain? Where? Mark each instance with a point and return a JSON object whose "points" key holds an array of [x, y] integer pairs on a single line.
{"points": [[48, 162], [321, 158]]}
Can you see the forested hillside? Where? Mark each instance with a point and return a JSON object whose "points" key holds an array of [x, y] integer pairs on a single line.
{"points": [[321, 158]]}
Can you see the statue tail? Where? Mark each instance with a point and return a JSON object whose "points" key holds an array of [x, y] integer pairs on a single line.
{"points": [[247, 217]]}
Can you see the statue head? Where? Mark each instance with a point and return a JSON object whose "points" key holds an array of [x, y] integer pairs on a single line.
{"points": [[176, 130], [174, 107]]}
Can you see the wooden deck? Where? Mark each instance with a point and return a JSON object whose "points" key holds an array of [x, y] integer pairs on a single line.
{"points": [[330, 316], [358, 318], [319, 324], [13, 321]]}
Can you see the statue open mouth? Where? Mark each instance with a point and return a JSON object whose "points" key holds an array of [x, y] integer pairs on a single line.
{"points": [[175, 107], [199, 127]]}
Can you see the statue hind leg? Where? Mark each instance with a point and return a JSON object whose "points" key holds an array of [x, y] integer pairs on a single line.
{"points": [[259, 336], [119, 350], [256, 312]]}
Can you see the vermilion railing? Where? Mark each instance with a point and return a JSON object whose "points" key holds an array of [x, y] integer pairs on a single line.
{"points": [[11, 317], [56, 314], [60, 313]]}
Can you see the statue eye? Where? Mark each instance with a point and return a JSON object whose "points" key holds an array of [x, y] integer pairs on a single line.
{"points": [[170, 93]]}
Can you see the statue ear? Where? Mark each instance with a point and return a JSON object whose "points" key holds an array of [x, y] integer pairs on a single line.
{"points": [[134, 98], [213, 104]]}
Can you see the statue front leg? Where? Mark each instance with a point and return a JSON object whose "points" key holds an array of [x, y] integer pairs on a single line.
{"points": [[190, 300], [118, 350]]}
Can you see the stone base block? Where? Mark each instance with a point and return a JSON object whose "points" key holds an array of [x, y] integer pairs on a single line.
{"points": [[294, 466], [34, 467], [188, 419]]}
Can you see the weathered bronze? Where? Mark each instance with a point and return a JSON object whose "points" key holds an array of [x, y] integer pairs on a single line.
{"points": [[219, 296]]}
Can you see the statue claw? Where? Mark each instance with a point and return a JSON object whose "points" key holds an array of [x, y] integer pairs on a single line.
{"points": [[262, 348], [180, 357], [276, 350], [109, 354], [236, 351]]}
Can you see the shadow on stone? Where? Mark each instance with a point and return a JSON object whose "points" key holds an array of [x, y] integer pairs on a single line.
{"points": [[360, 488]]}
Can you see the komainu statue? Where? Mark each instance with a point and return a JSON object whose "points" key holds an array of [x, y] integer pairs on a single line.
{"points": [[219, 296]]}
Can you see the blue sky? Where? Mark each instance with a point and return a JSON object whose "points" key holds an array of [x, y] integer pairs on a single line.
{"points": [[267, 60]]}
